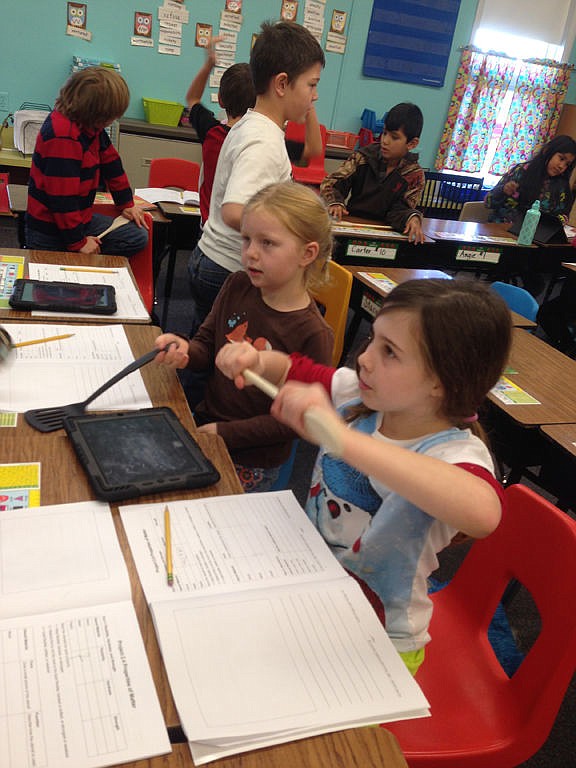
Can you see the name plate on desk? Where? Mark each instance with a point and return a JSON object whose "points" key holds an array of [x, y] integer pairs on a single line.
{"points": [[372, 249], [371, 304], [479, 253]]}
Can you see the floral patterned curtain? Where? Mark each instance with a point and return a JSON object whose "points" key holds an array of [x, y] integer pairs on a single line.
{"points": [[481, 84], [534, 113]]}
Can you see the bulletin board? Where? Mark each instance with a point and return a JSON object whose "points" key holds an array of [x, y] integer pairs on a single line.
{"points": [[411, 41]]}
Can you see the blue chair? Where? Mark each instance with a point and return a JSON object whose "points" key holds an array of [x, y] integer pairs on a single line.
{"points": [[286, 470], [518, 299]]}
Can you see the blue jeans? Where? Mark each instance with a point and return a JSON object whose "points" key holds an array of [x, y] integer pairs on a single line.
{"points": [[124, 241], [206, 279]]}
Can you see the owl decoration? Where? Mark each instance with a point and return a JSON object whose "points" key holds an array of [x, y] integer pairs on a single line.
{"points": [[143, 24], [289, 10], [338, 21], [77, 15], [203, 35], [234, 6]]}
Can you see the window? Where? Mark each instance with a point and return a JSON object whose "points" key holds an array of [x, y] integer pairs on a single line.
{"points": [[490, 40]]}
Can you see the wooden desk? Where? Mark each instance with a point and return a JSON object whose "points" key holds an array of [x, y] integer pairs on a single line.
{"points": [[514, 430], [73, 260], [452, 245], [559, 463], [366, 298], [161, 382], [546, 374], [183, 233], [357, 748]]}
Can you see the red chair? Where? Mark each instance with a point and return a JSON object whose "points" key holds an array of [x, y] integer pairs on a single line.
{"points": [[174, 172], [479, 716], [315, 172], [141, 263]]}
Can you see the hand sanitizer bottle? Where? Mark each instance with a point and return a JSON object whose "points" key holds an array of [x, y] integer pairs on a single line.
{"points": [[528, 228]]}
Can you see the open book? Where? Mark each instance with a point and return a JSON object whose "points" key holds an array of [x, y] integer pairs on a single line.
{"points": [[163, 195], [264, 635], [76, 685]]}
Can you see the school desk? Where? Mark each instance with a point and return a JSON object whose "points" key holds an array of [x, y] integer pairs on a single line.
{"points": [[67, 258], [63, 480], [366, 296], [450, 245], [183, 233], [559, 463], [356, 748], [535, 371], [161, 382]]}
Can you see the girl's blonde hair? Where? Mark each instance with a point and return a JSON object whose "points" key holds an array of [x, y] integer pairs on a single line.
{"points": [[93, 96], [305, 215]]}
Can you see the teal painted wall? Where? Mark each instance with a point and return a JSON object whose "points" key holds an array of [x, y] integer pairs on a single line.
{"points": [[36, 54]]}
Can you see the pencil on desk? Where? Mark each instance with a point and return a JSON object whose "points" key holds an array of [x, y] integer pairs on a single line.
{"points": [[89, 269], [168, 537], [42, 341]]}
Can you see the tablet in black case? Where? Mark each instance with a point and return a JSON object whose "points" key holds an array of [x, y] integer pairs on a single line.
{"points": [[138, 452]]}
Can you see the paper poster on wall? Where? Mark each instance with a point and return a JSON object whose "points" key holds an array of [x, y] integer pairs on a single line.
{"points": [[76, 21], [142, 30], [203, 35], [411, 43], [314, 11]]}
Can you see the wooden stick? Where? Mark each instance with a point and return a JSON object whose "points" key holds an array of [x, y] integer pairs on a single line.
{"points": [[119, 221], [315, 423]]}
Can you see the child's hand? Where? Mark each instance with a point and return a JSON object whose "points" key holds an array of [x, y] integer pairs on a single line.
{"points": [[414, 230], [176, 354], [233, 359], [511, 189], [135, 214], [92, 245], [211, 50], [292, 402], [337, 210], [210, 429]]}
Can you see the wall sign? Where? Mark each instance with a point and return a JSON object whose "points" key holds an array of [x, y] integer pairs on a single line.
{"points": [[410, 41]]}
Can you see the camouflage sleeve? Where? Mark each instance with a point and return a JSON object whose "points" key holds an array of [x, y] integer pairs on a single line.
{"points": [[336, 187]]}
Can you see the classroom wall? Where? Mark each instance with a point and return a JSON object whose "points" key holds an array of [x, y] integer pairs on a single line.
{"points": [[36, 55]]}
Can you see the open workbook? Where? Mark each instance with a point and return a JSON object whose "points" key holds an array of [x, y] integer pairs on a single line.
{"points": [[163, 195], [75, 685], [264, 635]]}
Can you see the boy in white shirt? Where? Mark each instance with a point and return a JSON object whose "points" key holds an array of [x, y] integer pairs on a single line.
{"points": [[286, 62]]}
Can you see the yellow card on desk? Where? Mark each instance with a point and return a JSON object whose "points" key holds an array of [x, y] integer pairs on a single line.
{"points": [[19, 486], [511, 394]]}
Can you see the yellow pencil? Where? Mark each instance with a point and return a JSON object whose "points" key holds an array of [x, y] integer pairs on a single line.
{"points": [[42, 341], [89, 269], [168, 537]]}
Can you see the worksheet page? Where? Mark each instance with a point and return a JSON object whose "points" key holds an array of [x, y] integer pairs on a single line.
{"points": [[128, 301], [59, 371], [75, 684], [306, 656], [227, 544]]}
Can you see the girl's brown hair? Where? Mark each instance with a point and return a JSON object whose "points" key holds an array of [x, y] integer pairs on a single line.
{"points": [[465, 337], [93, 97], [305, 215]]}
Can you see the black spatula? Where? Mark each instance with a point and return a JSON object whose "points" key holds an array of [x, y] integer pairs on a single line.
{"points": [[50, 419]]}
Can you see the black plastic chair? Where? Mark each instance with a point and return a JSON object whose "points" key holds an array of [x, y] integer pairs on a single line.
{"points": [[444, 194]]}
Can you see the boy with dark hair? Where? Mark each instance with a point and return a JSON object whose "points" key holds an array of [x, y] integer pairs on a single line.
{"points": [[285, 62], [72, 156], [384, 179]]}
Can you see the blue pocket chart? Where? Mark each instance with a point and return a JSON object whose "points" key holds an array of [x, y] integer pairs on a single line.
{"points": [[410, 41]]}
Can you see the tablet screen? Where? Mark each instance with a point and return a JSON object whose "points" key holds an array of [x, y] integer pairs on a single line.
{"points": [[139, 452]]}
